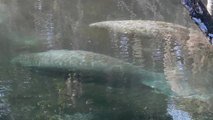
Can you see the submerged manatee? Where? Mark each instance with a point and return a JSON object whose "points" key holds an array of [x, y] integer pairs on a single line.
{"points": [[76, 60], [155, 29], [66, 60], [143, 28], [188, 59], [191, 45]]}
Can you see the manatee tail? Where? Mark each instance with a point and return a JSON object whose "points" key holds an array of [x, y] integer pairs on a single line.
{"points": [[156, 81]]}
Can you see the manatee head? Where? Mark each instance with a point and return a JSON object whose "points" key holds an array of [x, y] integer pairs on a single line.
{"points": [[22, 60]]}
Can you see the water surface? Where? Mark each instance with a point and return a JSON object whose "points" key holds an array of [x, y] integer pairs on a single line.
{"points": [[40, 25]]}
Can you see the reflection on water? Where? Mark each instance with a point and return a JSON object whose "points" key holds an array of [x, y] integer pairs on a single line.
{"points": [[4, 105], [127, 7], [74, 88], [177, 114], [188, 80], [44, 23], [175, 70], [137, 51], [38, 25], [121, 46]]}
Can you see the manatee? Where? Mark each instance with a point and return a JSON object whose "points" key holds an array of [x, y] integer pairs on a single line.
{"points": [[190, 74], [154, 29], [193, 45], [77, 60], [67, 60], [144, 28]]}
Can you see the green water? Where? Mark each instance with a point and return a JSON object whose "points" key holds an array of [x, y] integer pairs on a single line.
{"points": [[40, 25], [40, 97]]}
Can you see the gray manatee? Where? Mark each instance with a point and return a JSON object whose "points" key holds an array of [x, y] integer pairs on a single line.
{"points": [[73, 61], [144, 28], [76, 60], [192, 45], [190, 79]]}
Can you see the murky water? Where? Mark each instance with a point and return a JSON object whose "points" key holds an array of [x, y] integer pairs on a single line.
{"points": [[179, 80]]}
